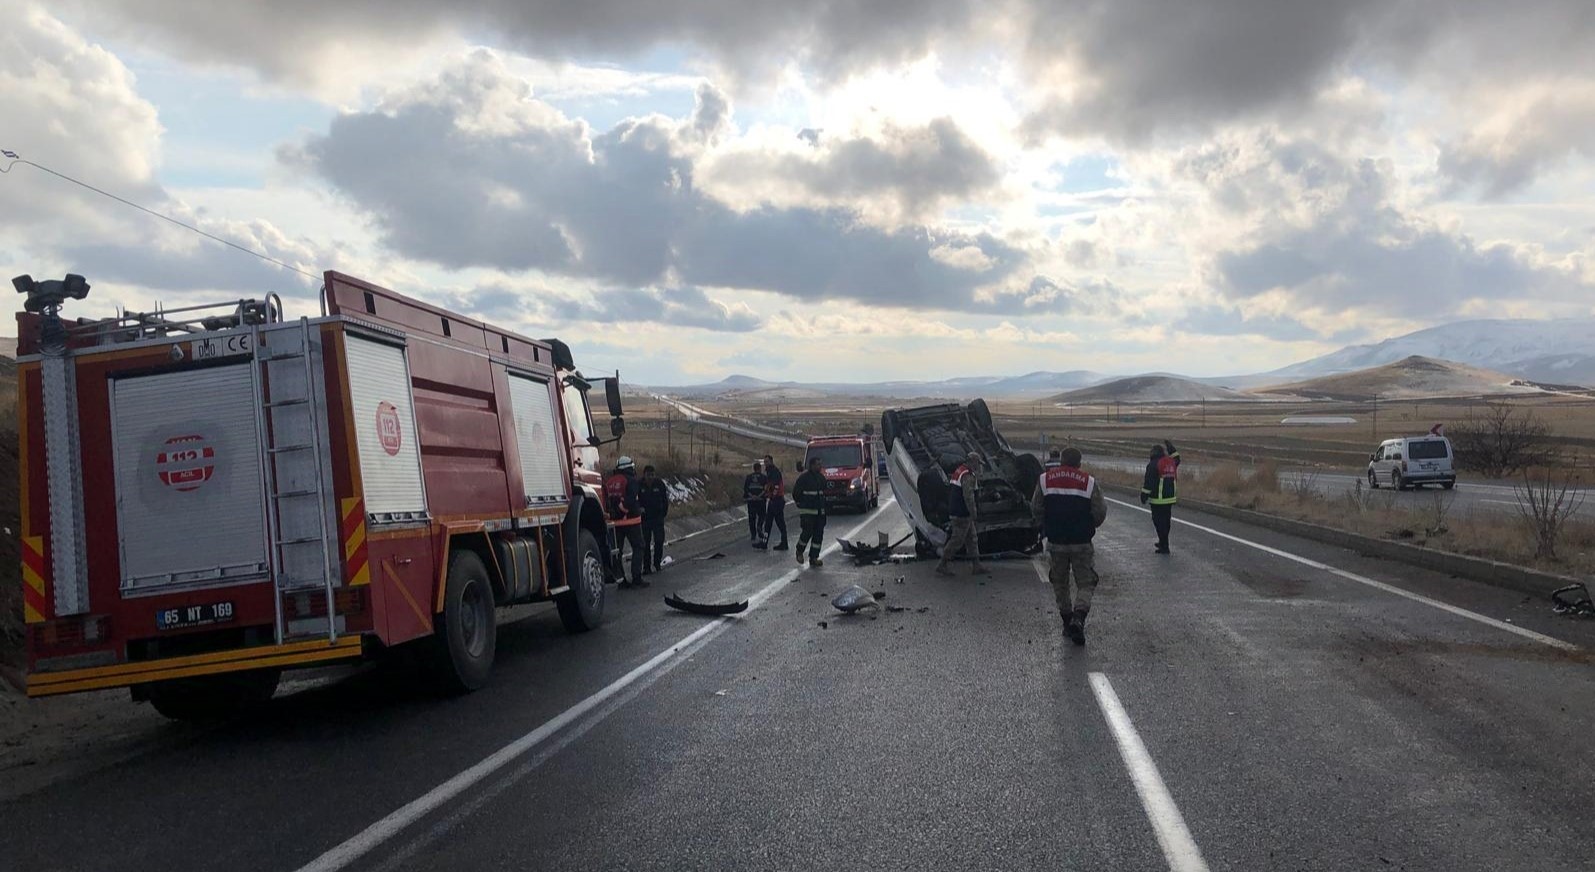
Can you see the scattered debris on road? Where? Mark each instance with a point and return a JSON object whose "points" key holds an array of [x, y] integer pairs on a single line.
{"points": [[715, 556], [711, 609], [865, 554], [1573, 600], [854, 598]]}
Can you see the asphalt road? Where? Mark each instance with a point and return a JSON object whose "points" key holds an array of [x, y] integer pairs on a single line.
{"points": [[1235, 708]]}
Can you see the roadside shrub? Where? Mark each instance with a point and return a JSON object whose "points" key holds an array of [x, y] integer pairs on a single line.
{"points": [[1225, 478], [1501, 440], [1264, 478], [1546, 502]]}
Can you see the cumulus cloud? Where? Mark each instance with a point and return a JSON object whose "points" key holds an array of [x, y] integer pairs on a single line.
{"points": [[306, 42], [1222, 320], [78, 112], [1345, 241], [63, 99], [472, 170], [1525, 132], [904, 173], [675, 307], [1132, 69]]}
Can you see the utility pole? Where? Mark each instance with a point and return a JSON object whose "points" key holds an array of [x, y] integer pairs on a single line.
{"points": [[1376, 417], [1204, 413], [670, 447]]}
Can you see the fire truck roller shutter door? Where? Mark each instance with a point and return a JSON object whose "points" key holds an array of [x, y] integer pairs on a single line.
{"points": [[384, 423], [535, 432], [189, 500]]}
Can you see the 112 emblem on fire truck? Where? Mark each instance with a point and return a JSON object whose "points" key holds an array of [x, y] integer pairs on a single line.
{"points": [[388, 432], [184, 463]]}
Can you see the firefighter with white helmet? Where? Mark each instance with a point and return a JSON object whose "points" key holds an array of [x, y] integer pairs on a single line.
{"points": [[621, 499]]}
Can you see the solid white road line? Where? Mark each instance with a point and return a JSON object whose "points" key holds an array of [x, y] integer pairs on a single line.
{"points": [[376, 834], [1179, 849], [1387, 588]]}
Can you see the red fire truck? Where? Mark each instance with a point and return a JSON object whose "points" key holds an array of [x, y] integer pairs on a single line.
{"points": [[214, 494], [848, 464]]}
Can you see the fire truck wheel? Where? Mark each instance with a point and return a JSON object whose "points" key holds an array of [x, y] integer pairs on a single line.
{"points": [[582, 607], [462, 649], [212, 697]]}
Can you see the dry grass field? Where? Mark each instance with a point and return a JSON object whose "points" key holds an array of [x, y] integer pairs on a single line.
{"points": [[1506, 538], [1249, 432]]}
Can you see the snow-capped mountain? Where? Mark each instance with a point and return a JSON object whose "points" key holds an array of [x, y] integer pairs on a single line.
{"points": [[1556, 352]]}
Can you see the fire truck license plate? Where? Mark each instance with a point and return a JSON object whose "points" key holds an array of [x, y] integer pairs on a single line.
{"points": [[193, 616]]}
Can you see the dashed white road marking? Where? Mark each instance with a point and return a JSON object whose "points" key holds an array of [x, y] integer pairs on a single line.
{"points": [[377, 833], [1179, 849], [1387, 588]]}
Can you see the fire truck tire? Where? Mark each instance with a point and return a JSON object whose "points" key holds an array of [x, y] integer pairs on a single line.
{"points": [[461, 653], [212, 697], [582, 607]]}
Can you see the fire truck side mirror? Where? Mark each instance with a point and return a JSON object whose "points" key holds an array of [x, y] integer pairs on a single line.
{"points": [[617, 427], [612, 396]]}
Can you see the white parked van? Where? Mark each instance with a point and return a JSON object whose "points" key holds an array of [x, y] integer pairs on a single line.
{"points": [[1413, 461]]}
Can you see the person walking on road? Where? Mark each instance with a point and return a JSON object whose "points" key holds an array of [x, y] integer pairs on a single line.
{"points": [[1071, 508], [753, 495], [1158, 490], [621, 491], [654, 497], [774, 503], [962, 496], [809, 494]]}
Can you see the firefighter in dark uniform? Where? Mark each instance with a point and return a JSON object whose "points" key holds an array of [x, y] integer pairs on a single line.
{"points": [[1158, 490], [774, 503], [621, 491], [654, 497], [1071, 508], [754, 497], [809, 494]]}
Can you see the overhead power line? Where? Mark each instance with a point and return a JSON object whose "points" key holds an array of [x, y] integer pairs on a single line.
{"points": [[15, 159]]}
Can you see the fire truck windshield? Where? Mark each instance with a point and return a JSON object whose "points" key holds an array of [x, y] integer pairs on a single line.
{"points": [[836, 456]]}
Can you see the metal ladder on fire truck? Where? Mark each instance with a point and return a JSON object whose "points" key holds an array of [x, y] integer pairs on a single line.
{"points": [[297, 525]]}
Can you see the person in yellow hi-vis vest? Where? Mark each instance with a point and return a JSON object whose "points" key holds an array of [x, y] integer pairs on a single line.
{"points": [[1159, 491]]}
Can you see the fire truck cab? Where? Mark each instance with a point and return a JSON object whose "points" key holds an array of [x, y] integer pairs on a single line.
{"points": [[215, 494], [848, 464]]}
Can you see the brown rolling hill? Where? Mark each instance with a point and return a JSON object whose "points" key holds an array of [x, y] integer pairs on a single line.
{"points": [[1151, 389], [1415, 377]]}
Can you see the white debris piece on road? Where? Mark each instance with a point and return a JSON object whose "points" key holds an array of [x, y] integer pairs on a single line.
{"points": [[854, 598]]}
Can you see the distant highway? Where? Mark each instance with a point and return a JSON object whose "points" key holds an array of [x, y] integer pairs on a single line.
{"points": [[1471, 497], [740, 428]]}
